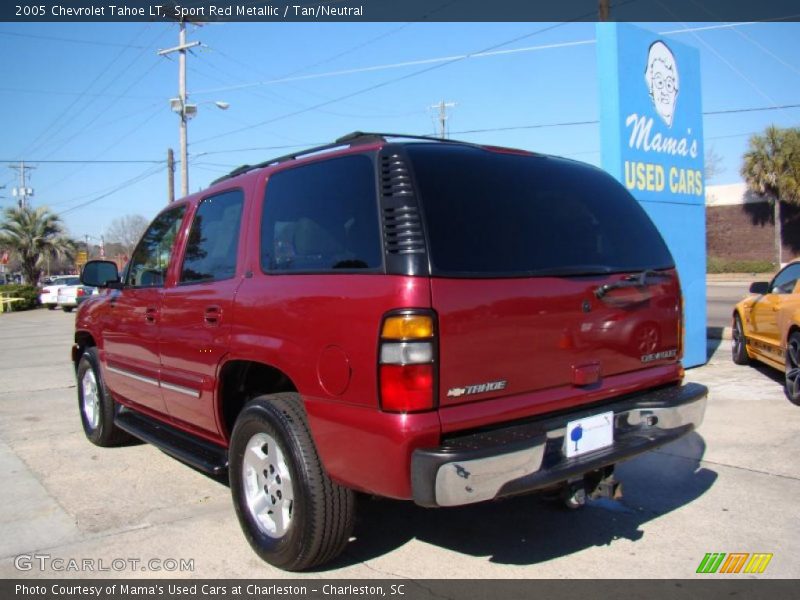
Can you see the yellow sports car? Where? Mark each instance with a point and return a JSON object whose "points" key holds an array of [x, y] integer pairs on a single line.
{"points": [[766, 327]]}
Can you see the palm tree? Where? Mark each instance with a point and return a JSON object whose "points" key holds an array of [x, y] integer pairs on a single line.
{"points": [[771, 169], [34, 235]]}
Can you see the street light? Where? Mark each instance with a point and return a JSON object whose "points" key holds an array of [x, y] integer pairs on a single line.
{"points": [[186, 112]]}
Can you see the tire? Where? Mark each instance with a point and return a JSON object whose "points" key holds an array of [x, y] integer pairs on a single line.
{"points": [[95, 405], [50, 306], [739, 343], [292, 514], [67, 308], [792, 386]]}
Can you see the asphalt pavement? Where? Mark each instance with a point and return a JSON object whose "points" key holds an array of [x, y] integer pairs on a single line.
{"points": [[732, 486], [721, 297]]}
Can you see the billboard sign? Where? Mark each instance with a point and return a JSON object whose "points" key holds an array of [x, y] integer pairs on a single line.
{"points": [[651, 128]]}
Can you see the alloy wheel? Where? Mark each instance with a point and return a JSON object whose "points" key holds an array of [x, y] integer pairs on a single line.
{"points": [[267, 483]]}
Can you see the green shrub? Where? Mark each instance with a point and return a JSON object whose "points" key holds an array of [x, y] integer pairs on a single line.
{"points": [[28, 292], [724, 265]]}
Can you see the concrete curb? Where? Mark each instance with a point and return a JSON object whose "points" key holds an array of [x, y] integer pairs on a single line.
{"points": [[718, 333]]}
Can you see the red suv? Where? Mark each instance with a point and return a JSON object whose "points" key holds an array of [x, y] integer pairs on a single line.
{"points": [[413, 318]]}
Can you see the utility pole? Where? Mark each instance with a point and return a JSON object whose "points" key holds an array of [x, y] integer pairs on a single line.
{"points": [[603, 10], [443, 106], [23, 191], [170, 175], [179, 105]]}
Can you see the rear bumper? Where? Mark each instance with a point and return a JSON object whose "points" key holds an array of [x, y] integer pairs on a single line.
{"points": [[529, 456]]}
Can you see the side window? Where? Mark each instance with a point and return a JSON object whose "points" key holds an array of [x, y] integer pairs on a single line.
{"points": [[213, 239], [149, 263], [785, 280], [322, 216]]}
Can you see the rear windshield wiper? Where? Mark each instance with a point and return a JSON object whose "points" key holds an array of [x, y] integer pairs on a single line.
{"points": [[638, 280]]}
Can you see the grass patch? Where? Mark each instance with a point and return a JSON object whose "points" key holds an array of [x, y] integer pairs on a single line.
{"points": [[723, 265]]}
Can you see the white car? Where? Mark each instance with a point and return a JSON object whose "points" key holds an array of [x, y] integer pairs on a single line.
{"points": [[49, 295], [70, 296]]}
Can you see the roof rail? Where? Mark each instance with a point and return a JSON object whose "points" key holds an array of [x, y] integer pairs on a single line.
{"points": [[351, 139]]}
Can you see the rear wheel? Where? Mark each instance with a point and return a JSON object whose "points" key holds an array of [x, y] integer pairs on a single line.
{"points": [[292, 514], [50, 306], [793, 368], [67, 308], [739, 343], [96, 405]]}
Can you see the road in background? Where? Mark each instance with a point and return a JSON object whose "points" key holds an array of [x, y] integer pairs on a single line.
{"points": [[722, 296]]}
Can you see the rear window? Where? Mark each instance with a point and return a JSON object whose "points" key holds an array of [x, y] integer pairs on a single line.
{"points": [[322, 217], [500, 214]]}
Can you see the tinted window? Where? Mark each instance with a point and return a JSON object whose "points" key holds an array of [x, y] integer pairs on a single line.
{"points": [[321, 216], [501, 214], [213, 239], [786, 280], [149, 263]]}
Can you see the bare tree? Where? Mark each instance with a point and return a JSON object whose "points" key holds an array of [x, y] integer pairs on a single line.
{"points": [[713, 164], [126, 231]]}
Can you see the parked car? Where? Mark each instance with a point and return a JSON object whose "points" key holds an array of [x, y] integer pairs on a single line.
{"points": [[766, 327], [392, 315], [70, 296], [49, 295]]}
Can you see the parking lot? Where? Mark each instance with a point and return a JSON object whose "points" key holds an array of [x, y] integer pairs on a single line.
{"points": [[730, 487]]}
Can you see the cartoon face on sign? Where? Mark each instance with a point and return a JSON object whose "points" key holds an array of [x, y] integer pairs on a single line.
{"points": [[661, 76]]}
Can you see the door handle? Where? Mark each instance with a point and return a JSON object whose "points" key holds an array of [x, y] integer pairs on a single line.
{"points": [[212, 315], [150, 314]]}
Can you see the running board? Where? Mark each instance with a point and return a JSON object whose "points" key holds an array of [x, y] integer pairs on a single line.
{"points": [[200, 454]]}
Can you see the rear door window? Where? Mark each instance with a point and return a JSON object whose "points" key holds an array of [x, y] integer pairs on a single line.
{"points": [[322, 217], [213, 243], [501, 214]]}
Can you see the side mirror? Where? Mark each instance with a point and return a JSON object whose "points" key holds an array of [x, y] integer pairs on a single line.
{"points": [[100, 273], [759, 287]]}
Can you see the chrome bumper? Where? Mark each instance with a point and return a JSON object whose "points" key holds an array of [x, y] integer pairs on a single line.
{"points": [[528, 456]]}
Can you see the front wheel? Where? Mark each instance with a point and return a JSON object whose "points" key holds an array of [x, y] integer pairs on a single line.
{"points": [[96, 405], [793, 369], [67, 308], [739, 343], [292, 514]]}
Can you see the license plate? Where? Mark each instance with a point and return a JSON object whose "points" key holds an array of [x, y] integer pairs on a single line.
{"points": [[589, 434]]}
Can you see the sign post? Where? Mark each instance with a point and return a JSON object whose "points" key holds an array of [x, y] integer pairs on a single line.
{"points": [[651, 129]]}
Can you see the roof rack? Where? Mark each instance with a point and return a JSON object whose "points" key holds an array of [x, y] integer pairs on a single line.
{"points": [[351, 139]]}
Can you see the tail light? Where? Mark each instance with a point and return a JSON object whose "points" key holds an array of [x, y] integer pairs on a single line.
{"points": [[45, 290], [407, 357], [81, 292]]}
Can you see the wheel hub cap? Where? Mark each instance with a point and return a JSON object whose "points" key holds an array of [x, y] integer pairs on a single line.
{"points": [[267, 482], [91, 399]]}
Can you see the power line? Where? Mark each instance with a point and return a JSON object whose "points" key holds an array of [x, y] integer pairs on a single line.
{"points": [[443, 59], [78, 161], [402, 77], [595, 121], [60, 121], [755, 109], [66, 39], [64, 93], [141, 177]]}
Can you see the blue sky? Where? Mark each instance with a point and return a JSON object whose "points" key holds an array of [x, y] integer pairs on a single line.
{"points": [[99, 92]]}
